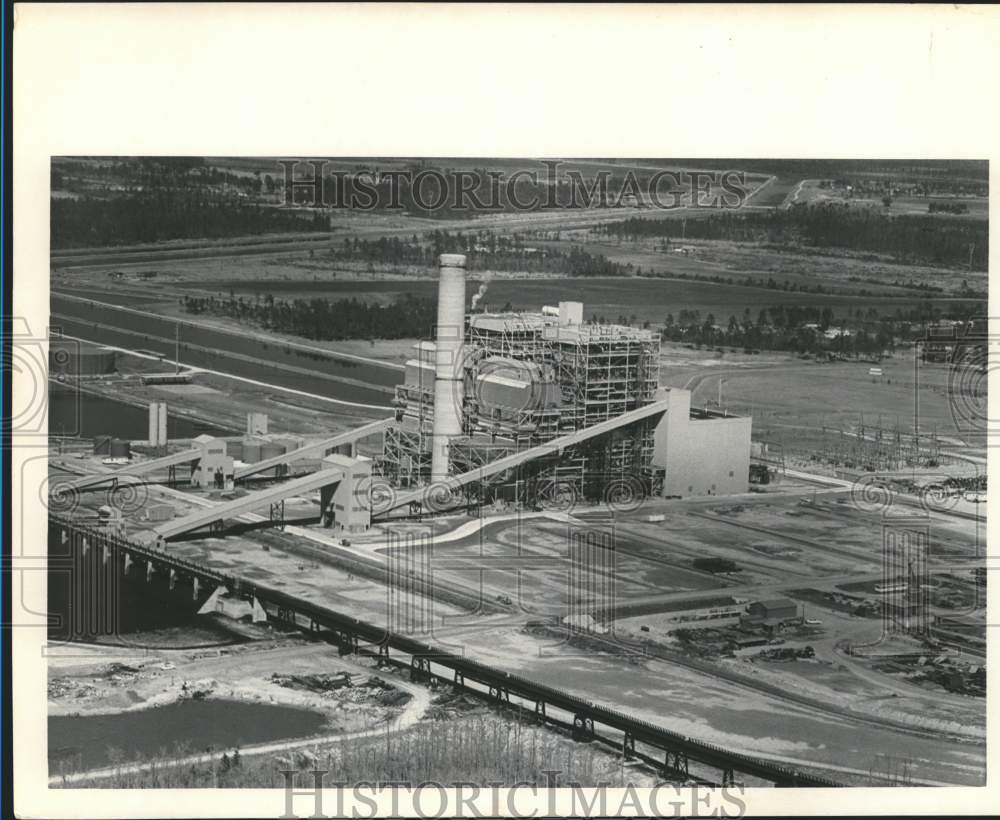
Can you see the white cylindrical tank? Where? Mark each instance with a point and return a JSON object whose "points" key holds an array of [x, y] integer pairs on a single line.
{"points": [[162, 431], [448, 361], [157, 423]]}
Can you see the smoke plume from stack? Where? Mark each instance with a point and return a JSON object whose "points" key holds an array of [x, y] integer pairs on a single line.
{"points": [[479, 294]]}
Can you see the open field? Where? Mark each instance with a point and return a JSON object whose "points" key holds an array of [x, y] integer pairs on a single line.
{"points": [[809, 191], [805, 268], [804, 398], [300, 275]]}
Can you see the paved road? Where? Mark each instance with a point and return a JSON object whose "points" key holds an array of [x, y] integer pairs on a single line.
{"points": [[349, 379], [125, 257], [194, 370]]}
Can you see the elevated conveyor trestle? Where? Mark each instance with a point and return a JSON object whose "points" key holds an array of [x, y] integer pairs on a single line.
{"points": [[265, 499], [319, 448], [140, 468]]}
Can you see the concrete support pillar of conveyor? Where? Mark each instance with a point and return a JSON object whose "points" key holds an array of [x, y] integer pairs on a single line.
{"points": [[173, 578], [128, 562], [195, 588], [149, 571], [628, 746]]}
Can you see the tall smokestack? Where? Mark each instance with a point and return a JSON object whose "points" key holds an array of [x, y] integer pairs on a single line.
{"points": [[448, 364]]}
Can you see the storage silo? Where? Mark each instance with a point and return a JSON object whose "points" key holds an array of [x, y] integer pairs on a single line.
{"points": [[270, 449], [157, 424], [288, 442], [120, 448], [251, 451]]}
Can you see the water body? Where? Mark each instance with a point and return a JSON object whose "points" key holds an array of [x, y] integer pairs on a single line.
{"points": [[75, 413], [96, 601], [93, 600], [87, 742]]}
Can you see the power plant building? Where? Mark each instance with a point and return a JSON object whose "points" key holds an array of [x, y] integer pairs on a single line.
{"points": [[701, 452], [497, 384]]}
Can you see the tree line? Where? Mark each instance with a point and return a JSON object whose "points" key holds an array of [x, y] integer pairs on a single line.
{"points": [[948, 208], [322, 319], [483, 252], [911, 238], [168, 214], [803, 328]]}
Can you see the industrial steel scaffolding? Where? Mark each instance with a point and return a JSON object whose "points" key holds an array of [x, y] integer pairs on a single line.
{"points": [[601, 372], [406, 457]]}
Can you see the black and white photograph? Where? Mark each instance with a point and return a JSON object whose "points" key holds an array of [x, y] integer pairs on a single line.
{"points": [[601, 478], [608, 471]]}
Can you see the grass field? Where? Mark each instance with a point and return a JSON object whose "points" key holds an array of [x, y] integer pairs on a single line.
{"points": [[791, 403], [292, 275]]}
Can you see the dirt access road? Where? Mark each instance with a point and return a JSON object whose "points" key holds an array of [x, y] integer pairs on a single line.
{"points": [[413, 712]]}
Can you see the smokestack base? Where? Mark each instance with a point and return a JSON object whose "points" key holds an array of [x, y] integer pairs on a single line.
{"points": [[452, 260]]}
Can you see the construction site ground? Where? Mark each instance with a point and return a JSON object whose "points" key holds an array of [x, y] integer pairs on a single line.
{"points": [[804, 540], [817, 542]]}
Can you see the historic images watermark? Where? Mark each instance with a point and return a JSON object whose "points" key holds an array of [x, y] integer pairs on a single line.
{"points": [[305, 792], [544, 185], [914, 564], [33, 360], [966, 350], [420, 590]]}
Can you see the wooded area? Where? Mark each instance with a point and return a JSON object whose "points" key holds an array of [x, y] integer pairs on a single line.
{"points": [[934, 240], [484, 252], [407, 317], [169, 214]]}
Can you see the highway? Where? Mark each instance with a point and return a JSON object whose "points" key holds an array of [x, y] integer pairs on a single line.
{"points": [[143, 254], [346, 379]]}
